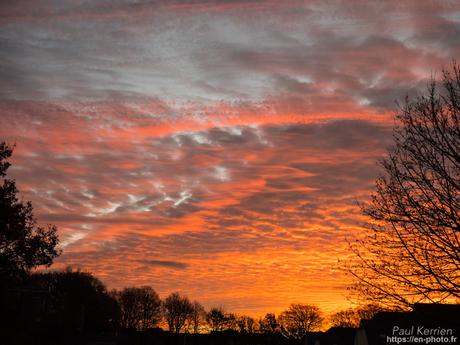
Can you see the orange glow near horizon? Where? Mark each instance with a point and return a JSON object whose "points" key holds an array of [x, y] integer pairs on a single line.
{"points": [[249, 217]]}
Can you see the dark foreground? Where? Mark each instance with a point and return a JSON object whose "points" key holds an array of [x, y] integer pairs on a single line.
{"points": [[335, 336]]}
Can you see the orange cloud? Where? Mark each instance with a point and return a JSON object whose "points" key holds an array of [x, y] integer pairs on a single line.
{"points": [[252, 216]]}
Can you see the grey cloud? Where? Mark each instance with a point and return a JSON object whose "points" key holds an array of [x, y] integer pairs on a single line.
{"points": [[164, 263], [224, 54], [334, 135]]}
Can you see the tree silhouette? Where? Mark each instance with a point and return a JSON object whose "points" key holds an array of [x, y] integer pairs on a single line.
{"points": [[23, 244], [300, 319], [352, 317], [231, 322], [246, 324], [150, 305], [197, 317], [269, 324], [47, 307], [412, 249], [367, 311], [129, 306], [140, 307], [217, 319], [177, 310], [76, 301], [345, 318]]}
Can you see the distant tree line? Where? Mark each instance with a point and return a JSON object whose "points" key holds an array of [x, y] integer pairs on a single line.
{"points": [[76, 302]]}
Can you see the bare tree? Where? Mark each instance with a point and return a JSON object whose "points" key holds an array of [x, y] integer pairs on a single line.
{"points": [[300, 319], [269, 324], [140, 307], [250, 324], [177, 310], [231, 322], [219, 320], [352, 317], [197, 317], [127, 299], [216, 319], [345, 318], [245, 324], [150, 306], [412, 249], [367, 311]]}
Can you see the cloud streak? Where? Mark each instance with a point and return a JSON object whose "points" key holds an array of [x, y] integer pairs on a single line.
{"points": [[165, 263]]}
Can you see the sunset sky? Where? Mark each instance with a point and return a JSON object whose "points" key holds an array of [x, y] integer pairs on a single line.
{"points": [[215, 148]]}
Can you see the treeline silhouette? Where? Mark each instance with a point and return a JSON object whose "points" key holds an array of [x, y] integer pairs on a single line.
{"points": [[71, 305]]}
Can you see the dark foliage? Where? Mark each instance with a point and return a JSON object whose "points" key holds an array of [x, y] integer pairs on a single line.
{"points": [[23, 244], [48, 307]]}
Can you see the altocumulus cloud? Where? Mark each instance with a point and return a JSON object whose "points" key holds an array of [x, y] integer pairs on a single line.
{"points": [[211, 147]]}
